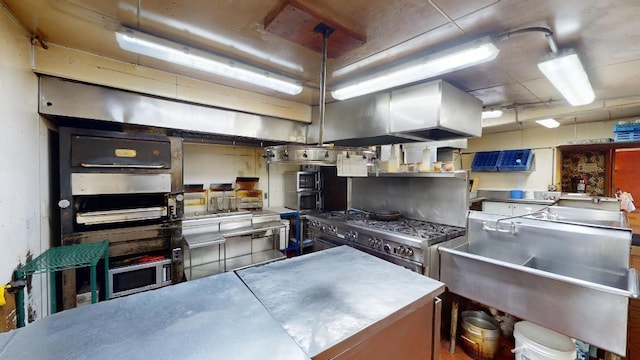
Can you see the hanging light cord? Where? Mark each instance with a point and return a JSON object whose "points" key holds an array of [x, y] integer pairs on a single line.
{"points": [[546, 31]]}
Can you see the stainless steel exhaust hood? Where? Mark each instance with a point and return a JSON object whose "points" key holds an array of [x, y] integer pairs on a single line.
{"points": [[424, 112]]}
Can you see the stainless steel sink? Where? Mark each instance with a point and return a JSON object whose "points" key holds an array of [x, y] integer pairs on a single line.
{"points": [[574, 279]]}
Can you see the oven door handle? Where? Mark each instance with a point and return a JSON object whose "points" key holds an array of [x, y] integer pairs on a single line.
{"points": [[87, 165]]}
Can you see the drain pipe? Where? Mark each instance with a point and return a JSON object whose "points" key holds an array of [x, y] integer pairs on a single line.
{"points": [[325, 30]]}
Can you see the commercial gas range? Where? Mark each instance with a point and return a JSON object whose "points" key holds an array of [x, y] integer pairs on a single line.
{"points": [[406, 242]]}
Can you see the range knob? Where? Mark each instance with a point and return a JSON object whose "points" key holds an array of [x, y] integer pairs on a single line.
{"points": [[377, 243], [401, 250], [387, 247], [371, 241], [409, 252]]}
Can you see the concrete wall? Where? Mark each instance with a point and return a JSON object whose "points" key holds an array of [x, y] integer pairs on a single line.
{"points": [[543, 141], [24, 164]]}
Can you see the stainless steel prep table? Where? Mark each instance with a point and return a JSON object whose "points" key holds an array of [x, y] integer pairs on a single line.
{"points": [[211, 318], [338, 299]]}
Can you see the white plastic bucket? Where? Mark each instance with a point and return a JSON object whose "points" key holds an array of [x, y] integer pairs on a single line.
{"points": [[534, 342]]}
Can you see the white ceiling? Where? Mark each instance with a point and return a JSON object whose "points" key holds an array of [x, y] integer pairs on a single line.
{"points": [[605, 34]]}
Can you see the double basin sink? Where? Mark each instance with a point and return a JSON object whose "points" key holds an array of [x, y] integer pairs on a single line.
{"points": [[551, 269]]}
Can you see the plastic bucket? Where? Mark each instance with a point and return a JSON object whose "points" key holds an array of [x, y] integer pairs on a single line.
{"points": [[534, 342], [517, 194]]}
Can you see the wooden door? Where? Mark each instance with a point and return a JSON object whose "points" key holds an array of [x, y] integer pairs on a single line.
{"points": [[626, 177]]}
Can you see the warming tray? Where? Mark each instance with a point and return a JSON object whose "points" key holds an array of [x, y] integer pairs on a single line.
{"points": [[117, 216]]}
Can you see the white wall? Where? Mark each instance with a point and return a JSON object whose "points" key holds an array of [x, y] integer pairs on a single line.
{"points": [[24, 183], [544, 142]]}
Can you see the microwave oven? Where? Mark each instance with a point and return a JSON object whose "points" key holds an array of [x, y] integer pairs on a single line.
{"points": [[130, 279], [302, 181]]}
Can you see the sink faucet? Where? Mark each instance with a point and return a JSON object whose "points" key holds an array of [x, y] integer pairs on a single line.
{"points": [[545, 212]]}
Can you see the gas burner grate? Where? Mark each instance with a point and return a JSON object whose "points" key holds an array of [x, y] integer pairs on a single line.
{"points": [[416, 228]]}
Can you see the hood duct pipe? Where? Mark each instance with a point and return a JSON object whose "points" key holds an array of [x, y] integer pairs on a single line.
{"points": [[319, 155], [326, 31]]}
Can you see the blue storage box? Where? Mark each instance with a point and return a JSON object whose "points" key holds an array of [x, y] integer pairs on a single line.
{"points": [[515, 160], [485, 161], [627, 131]]}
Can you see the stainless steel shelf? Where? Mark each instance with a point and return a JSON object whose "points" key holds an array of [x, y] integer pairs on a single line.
{"points": [[257, 258], [459, 174], [205, 269]]}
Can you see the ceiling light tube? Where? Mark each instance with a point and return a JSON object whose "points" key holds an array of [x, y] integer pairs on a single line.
{"points": [[550, 123], [492, 114], [165, 50], [452, 59], [565, 72]]}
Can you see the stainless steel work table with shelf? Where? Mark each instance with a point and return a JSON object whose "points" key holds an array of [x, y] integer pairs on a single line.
{"points": [[215, 317]]}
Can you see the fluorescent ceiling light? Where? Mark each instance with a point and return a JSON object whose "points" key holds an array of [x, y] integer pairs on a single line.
{"points": [[166, 50], [491, 114], [550, 123], [455, 58], [566, 73]]}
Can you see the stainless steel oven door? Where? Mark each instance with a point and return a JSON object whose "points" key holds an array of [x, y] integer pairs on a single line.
{"points": [[308, 181], [302, 201]]}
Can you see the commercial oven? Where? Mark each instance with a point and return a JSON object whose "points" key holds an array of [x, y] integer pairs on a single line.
{"points": [[123, 187], [303, 190]]}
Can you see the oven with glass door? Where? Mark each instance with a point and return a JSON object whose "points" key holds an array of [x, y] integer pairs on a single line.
{"points": [[301, 181]]}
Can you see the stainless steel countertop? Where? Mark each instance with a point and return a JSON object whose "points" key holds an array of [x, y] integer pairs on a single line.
{"points": [[211, 318], [325, 297]]}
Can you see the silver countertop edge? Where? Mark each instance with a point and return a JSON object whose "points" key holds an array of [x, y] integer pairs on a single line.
{"points": [[522, 201], [589, 198]]}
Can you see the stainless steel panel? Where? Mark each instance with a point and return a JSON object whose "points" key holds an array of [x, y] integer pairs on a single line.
{"points": [[344, 293], [218, 318], [67, 98], [435, 110], [119, 216], [441, 198], [362, 117], [104, 183]]}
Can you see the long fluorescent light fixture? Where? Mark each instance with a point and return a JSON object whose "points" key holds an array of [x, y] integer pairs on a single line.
{"points": [[166, 50], [452, 59], [550, 123], [566, 73], [491, 114]]}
